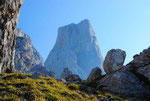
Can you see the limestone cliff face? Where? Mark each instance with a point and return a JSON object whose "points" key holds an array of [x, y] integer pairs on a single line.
{"points": [[9, 13], [26, 56], [77, 49]]}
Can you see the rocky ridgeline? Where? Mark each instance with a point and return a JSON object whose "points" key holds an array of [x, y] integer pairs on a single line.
{"points": [[76, 48], [27, 58], [131, 81], [9, 13], [140, 66]]}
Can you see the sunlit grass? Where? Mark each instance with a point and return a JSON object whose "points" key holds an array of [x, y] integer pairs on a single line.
{"points": [[19, 86]]}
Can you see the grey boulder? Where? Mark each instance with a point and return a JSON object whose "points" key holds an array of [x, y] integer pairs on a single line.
{"points": [[69, 77], [73, 78], [95, 75], [114, 60]]}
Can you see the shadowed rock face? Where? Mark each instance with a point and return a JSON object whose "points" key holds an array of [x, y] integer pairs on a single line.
{"points": [[124, 83], [140, 66], [9, 13], [94, 75], [76, 48]]}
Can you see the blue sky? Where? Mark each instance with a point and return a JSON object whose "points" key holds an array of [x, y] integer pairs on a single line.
{"points": [[123, 24]]}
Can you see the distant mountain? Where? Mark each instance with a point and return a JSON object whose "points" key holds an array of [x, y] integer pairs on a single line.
{"points": [[77, 49], [26, 56]]}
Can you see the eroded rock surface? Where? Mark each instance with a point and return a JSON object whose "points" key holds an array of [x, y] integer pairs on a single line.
{"points": [[114, 60], [9, 14]]}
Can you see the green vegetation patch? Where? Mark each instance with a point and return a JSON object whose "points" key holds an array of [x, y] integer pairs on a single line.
{"points": [[20, 86]]}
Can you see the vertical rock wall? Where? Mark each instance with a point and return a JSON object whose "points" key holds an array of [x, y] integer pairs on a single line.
{"points": [[9, 14], [77, 49]]}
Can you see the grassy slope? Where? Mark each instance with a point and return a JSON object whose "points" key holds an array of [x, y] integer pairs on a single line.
{"points": [[21, 87]]}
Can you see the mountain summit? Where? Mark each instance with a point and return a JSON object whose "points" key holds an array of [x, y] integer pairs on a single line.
{"points": [[77, 49]]}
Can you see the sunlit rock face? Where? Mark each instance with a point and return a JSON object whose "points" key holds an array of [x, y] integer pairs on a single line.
{"points": [[77, 49], [9, 14], [26, 56]]}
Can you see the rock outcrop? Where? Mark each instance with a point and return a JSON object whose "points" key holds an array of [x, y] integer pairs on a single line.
{"points": [[26, 56], [140, 66], [42, 71], [66, 72], [124, 83], [114, 60], [94, 75], [9, 13], [73, 78], [68, 77], [132, 81], [76, 48]]}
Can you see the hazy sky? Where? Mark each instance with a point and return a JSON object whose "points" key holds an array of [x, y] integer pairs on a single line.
{"points": [[123, 24]]}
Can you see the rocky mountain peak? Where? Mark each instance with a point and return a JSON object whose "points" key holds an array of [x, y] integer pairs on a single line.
{"points": [[77, 48]]}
